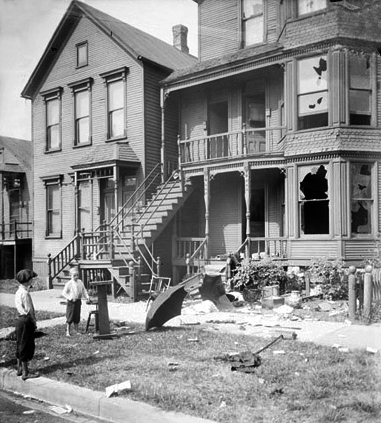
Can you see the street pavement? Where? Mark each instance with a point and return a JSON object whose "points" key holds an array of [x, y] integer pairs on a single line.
{"points": [[343, 335]]}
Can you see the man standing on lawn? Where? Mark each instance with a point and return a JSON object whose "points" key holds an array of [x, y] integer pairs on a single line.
{"points": [[25, 325]]}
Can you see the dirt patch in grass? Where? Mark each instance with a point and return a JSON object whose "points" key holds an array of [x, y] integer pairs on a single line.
{"points": [[306, 383]]}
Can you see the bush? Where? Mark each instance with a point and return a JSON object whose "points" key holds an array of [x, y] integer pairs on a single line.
{"points": [[331, 277], [258, 274]]}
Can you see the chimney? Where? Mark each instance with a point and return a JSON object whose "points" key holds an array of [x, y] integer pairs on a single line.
{"points": [[180, 33]]}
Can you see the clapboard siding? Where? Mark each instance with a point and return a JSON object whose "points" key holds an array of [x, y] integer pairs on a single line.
{"points": [[358, 249], [172, 130], [225, 215], [378, 200], [193, 114], [152, 117], [104, 55], [307, 250], [218, 28], [274, 189]]}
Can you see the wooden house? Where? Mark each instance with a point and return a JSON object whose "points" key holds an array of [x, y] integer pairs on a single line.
{"points": [[268, 145], [97, 144], [279, 131], [15, 206]]}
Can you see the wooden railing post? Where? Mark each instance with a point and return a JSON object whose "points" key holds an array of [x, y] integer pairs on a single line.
{"points": [[368, 291], [187, 262], [15, 228], [158, 265], [49, 279], [244, 137], [352, 293], [111, 244]]}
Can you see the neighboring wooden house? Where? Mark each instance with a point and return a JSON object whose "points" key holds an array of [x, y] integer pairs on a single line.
{"points": [[97, 143], [15, 206], [280, 131]]}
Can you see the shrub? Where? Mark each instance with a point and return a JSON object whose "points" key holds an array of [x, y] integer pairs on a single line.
{"points": [[331, 277], [258, 274]]}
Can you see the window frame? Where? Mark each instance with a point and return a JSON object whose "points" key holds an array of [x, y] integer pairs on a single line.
{"points": [[298, 95], [53, 181], [80, 87], [53, 95], [86, 61], [372, 90], [372, 200], [116, 75], [253, 17], [299, 201]]}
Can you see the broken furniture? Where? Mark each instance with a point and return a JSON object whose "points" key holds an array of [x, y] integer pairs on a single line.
{"points": [[94, 313]]}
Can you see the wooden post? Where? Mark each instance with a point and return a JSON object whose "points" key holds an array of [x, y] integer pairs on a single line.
{"points": [[247, 180], [133, 282], [307, 280], [158, 266], [206, 201], [50, 281], [368, 291], [352, 293]]}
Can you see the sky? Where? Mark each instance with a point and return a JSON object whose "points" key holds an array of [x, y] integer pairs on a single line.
{"points": [[26, 27]]}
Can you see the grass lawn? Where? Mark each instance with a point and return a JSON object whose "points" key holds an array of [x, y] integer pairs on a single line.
{"points": [[306, 384], [8, 316]]}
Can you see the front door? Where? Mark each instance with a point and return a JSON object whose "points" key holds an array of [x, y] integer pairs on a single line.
{"points": [[256, 118], [108, 206], [14, 209]]}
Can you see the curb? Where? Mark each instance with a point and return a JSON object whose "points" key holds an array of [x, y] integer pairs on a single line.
{"points": [[91, 403]]}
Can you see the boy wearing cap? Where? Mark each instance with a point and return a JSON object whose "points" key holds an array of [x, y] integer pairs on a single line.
{"points": [[25, 324], [74, 291]]}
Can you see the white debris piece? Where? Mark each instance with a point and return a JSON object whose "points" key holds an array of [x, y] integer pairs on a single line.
{"points": [[118, 388], [284, 309], [58, 410], [371, 350]]}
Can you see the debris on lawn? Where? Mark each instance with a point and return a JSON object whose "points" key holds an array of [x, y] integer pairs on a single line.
{"points": [[29, 411], [245, 361], [61, 410], [371, 350], [118, 388], [192, 340]]}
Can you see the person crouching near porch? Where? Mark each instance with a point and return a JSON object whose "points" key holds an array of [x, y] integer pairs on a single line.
{"points": [[26, 324], [74, 291]]}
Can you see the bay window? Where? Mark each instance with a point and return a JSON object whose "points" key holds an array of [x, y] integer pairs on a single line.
{"points": [[310, 6]]}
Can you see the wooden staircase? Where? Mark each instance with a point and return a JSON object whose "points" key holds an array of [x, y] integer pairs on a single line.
{"points": [[120, 249]]}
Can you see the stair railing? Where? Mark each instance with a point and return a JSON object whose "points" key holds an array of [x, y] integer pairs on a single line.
{"points": [[57, 263], [152, 211], [198, 255]]}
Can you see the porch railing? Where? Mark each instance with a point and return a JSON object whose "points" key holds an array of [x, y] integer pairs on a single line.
{"points": [[258, 248], [227, 145], [15, 230]]}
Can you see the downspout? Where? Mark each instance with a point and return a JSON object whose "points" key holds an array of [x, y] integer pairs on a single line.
{"points": [[162, 151]]}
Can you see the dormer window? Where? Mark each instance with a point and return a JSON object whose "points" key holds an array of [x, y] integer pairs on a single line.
{"points": [[310, 6], [252, 22], [82, 56]]}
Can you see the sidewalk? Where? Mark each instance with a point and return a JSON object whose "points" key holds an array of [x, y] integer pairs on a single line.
{"points": [[121, 410]]}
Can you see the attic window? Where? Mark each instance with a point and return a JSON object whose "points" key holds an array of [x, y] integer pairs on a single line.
{"points": [[82, 54]]}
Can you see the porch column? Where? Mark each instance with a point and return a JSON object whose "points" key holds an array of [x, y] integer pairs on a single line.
{"points": [[162, 152], [247, 179], [207, 201], [116, 187], [76, 217]]}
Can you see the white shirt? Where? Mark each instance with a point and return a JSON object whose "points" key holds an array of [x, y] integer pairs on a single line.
{"points": [[24, 303], [75, 290]]}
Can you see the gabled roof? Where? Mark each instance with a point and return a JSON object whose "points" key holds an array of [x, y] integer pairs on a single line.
{"points": [[137, 43], [20, 149]]}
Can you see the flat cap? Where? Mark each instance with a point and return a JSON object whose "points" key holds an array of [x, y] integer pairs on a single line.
{"points": [[25, 275]]}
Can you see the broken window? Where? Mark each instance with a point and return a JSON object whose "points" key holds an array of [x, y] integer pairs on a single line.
{"points": [[360, 92], [313, 200], [309, 6], [312, 91], [252, 21], [361, 198]]}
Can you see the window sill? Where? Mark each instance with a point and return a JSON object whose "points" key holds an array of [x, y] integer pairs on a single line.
{"points": [[122, 137], [82, 66], [53, 237], [82, 145], [57, 150]]}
